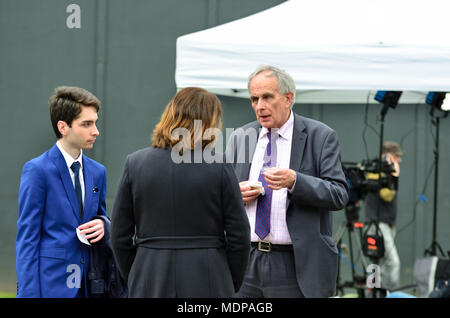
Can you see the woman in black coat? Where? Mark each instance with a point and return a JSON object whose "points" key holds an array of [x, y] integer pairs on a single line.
{"points": [[178, 226]]}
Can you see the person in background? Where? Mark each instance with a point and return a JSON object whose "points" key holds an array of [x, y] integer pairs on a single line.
{"points": [[386, 201]]}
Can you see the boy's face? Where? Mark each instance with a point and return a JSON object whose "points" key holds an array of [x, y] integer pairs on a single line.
{"points": [[83, 131]]}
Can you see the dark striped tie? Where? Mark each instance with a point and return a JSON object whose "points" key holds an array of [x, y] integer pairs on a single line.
{"points": [[264, 204], [76, 170]]}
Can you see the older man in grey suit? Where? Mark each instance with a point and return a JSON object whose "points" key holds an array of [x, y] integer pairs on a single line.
{"points": [[296, 161]]}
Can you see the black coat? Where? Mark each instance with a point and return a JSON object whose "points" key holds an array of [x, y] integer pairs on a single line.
{"points": [[104, 279], [179, 230]]}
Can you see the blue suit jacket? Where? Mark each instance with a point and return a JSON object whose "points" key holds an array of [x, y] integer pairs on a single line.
{"points": [[49, 256]]}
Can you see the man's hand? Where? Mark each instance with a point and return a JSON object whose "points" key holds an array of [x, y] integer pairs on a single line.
{"points": [[278, 178], [94, 230], [394, 160], [248, 193]]}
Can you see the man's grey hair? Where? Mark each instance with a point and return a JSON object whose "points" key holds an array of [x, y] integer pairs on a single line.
{"points": [[286, 83]]}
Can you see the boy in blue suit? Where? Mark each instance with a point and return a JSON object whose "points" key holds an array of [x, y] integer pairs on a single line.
{"points": [[60, 192]]}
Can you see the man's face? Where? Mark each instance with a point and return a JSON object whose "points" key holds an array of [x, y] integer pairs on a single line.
{"points": [[272, 109], [396, 158], [83, 132], [392, 157]]}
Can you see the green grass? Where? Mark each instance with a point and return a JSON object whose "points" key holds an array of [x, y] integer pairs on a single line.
{"points": [[4, 294]]}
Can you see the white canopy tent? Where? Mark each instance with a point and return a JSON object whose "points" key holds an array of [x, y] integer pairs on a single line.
{"points": [[337, 51]]}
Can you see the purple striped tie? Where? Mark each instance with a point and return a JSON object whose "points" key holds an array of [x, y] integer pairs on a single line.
{"points": [[262, 224]]}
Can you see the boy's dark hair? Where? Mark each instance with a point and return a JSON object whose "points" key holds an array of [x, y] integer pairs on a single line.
{"points": [[66, 102]]}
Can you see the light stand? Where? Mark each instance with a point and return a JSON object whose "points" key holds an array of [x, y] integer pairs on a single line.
{"points": [[389, 99], [435, 100]]}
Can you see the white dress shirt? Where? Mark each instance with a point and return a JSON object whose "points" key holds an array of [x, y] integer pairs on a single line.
{"points": [[69, 161], [279, 233]]}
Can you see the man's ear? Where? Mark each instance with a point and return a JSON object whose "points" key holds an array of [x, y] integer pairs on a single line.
{"points": [[62, 127], [289, 97]]}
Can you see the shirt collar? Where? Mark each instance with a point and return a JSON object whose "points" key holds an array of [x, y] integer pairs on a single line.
{"points": [[68, 158]]}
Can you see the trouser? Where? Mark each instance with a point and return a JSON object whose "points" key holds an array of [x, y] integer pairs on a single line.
{"points": [[270, 275], [390, 262]]}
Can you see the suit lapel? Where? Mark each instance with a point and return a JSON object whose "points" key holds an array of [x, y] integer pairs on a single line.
{"points": [[299, 138], [244, 172], [60, 163], [88, 188], [249, 148], [297, 148], [298, 143]]}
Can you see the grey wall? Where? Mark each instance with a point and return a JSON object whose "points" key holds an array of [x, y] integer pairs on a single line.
{"points": [[125, 54]]}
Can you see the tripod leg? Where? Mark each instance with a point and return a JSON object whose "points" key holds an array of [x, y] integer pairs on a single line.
{"points": [[350, 246], [340, 233], [338, 242]]}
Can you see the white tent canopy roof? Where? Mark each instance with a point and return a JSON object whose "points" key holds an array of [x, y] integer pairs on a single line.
{"points": [[336, 51]]}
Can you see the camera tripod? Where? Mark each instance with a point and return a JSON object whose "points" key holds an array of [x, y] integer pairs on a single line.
{"points": [[358, 282]]}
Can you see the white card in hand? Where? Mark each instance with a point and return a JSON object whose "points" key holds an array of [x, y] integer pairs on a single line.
{"points": [[257, 185], [82, 237]]}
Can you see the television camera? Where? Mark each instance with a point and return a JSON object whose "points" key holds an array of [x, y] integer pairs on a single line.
{"points": [[362, 178]]}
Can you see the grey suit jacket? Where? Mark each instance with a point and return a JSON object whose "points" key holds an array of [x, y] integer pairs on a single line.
{"points": [[320, 187], [179, 230]]}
